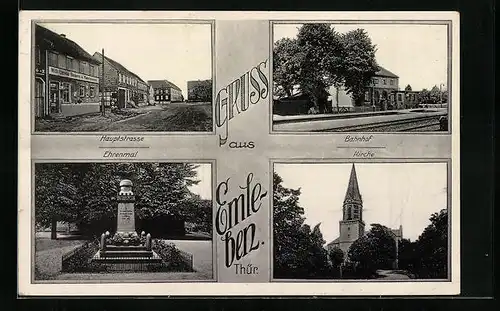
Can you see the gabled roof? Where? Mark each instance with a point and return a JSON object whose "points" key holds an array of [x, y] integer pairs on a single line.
{"points": [[117, 65], [352, 193], [53, 41], [382, 72], [158, 84]]}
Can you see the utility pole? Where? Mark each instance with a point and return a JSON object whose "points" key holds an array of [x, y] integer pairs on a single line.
{"points": [[103, 108]]}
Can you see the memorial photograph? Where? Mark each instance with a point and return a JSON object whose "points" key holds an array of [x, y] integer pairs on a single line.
{"points": [[361, 77], [118, 76], [122, 221], [361, 221]]}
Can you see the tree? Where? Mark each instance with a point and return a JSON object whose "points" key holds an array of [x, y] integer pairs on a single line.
{"points": [[287, 60], [85, 193], [320, 58], [431, 248], [408, 88], [202, 91], [358, 63], [373, 251], [55, 195], [322, 61], [298, 250], [336, 256]]}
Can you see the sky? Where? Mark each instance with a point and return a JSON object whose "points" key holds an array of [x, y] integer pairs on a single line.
{"points": [[416, 53], [204, 175], [392, 193], [176, 52]]}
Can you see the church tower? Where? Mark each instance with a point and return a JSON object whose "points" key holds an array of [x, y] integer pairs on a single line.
{"points": [[351, 226]]}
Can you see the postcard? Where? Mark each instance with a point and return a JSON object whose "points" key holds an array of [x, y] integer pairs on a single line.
{"points": [[238, 153]]}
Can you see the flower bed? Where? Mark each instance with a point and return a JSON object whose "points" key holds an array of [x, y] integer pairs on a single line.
{"points": [[78, 260], [174, 259]]}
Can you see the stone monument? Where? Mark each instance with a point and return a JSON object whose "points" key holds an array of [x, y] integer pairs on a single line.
{"points": [[125, 250]]}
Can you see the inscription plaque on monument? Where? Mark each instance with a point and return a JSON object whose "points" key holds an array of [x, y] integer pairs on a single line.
{"points": [[126, 214]]}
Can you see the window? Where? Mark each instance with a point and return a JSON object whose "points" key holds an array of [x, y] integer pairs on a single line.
{"points": [[75, 65], [82, 91], [84, 68], [52, 59], [400, 97], [61, 61], [375, 81], [384, 81], [92, 70], [65, 91], [87, 91], [69, 63], [392, 82], [38, 55]]}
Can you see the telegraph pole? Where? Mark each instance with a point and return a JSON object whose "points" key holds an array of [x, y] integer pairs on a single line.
{"points": [[103, 108]]}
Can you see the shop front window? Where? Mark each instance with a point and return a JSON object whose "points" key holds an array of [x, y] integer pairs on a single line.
{"points": [[65, 92], [82, 91]]}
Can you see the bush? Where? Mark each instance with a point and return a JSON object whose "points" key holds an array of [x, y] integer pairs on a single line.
{"points": [[79, 259], [172, 257]]}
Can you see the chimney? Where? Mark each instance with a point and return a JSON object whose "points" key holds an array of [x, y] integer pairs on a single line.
{"points": [[62, 35]]}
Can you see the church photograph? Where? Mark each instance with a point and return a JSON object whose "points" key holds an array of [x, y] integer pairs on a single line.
{"points": [[373, 221]]}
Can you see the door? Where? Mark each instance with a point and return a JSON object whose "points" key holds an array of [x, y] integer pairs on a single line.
{"points": [[54, 100], [39, 98], [121, 98]]}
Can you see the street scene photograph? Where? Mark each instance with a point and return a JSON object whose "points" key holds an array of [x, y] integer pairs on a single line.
{"points": [[360, 77], [360, 221], [139, 221], [122, 77]]}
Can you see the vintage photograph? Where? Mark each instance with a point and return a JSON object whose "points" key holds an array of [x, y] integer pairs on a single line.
{"points": [[122, 77], [140, 221], [361, 221], [344, 77]]}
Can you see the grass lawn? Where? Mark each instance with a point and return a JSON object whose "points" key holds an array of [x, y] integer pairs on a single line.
{"points": [[48, 256]]}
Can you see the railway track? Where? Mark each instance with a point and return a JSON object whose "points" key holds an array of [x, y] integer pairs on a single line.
{"points": [[429, 123]]}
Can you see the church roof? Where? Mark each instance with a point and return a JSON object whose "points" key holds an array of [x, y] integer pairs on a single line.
{"points": [[352, 193]]}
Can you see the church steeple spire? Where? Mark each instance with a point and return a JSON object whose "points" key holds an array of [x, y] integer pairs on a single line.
{"points": [[352, 193], [353, 204]]}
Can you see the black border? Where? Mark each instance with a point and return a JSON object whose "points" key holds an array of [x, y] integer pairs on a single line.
{"points": [[477, 165]]}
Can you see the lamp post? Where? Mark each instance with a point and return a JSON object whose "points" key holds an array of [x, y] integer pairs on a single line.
{"points": [[441, 94]]}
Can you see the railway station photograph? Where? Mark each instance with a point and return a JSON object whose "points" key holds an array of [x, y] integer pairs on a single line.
{"points": [[360, 77]]}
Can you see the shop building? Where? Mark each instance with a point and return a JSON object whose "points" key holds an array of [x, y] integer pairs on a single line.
{"points": [[66, 77], [121, 86], [165, 92]]}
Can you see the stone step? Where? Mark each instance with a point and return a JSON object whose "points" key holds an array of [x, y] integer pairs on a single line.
{"points": [[126, 253], [127, 260], [127, 247]]}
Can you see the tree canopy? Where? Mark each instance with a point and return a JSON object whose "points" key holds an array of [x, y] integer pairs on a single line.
{"points": [[298, 250], [375, 250], [320, 57], [86, 192]]}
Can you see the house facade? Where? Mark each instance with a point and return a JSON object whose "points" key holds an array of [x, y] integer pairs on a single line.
{"points": [[66, 77], [165, 92], [121, 86], [199, 90]]}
